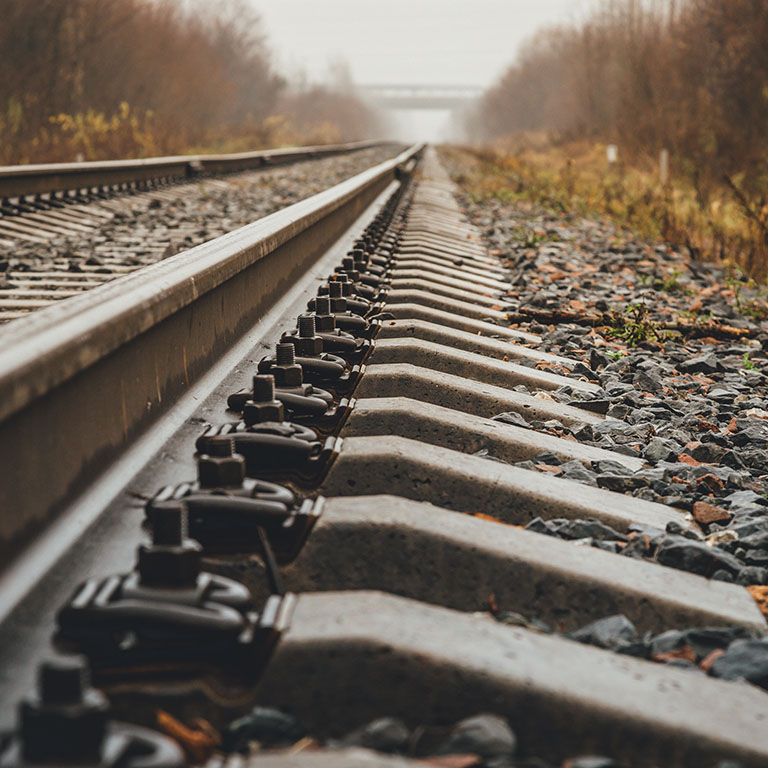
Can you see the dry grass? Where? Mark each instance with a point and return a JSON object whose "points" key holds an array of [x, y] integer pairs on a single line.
{"points": [[718, 223]]}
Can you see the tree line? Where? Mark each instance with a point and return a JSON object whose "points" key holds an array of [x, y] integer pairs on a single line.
{"points": [[118, 78], [690, 76]]}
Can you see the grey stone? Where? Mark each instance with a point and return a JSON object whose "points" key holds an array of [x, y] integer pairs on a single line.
{"points": [[537, 525], [693, 556], [647, 382], [612, 632], [661, 449], [582, 432], [707, 452], [744, 659], [270, 727], [485, 735], [387, 734], [589, 528], [621, 483], [547, 458], [722, 394], [750, 431], [674, 527], [608, 466], [752, 575], [707, 363], [746, 497], [511, 417], [720, 575], [575, 470]]}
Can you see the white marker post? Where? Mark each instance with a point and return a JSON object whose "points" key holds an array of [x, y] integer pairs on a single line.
{"points": [[664, 167], [612, 154]]}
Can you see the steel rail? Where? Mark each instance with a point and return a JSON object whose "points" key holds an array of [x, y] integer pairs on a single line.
{"points": [[83, 378], [23, 180]]}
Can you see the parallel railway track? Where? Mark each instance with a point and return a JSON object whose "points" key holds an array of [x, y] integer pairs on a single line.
{"points": [[380, 523], [93, 220]]}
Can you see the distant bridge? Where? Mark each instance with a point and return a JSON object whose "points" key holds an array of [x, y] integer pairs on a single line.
{"points": [[420, 96]]}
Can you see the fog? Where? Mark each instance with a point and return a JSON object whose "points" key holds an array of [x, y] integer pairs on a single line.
{"points": [[418, 42]]}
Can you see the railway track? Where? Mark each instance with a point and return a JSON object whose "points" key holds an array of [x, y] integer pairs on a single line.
{"points": [[67, 228], [311, 400]]}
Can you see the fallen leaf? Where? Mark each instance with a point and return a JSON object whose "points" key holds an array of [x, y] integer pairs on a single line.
{"points": [[453, 761], [302, 745], [706, 663], [490, 518], [198, 744], [686, 652]]}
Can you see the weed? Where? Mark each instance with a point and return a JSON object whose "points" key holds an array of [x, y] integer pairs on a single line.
{"points": [[757, 310], [671, 283], [748, 364], [633, 326]]}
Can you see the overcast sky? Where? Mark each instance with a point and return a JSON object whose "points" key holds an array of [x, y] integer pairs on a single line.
{"points": [[407, 41]]}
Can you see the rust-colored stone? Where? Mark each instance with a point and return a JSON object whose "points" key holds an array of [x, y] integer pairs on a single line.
{"points": [[760, 595], [704, 513]]}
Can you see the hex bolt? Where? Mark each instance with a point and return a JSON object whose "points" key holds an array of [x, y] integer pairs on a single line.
{"points": [[66, 721], [169, 526], [325, 320], [306, 326], [62, 680], [220, 466], [307, 343], [220, 445], [322, 306], [285, 354], [336, 294], [263, 407], [263, 388], [350, 268], [346, 285], [172, 559], [287, 372]]}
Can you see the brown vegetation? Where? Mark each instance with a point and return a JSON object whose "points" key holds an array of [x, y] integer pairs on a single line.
{"points": [[121, 78], [689, 76]]}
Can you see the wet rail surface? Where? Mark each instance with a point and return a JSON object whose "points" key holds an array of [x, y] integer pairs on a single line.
{"points": [[320, 524]]}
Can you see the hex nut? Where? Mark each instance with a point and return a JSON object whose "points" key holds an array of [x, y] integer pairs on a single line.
{"points": [[259, 412], [220, 471], [287, 375]]}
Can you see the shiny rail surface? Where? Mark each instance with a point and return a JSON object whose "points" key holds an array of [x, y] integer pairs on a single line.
{"points": [[143, 339]]}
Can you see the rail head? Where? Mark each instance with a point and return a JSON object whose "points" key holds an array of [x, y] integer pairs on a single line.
{"points": [[56, 343], [23, 180]]}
